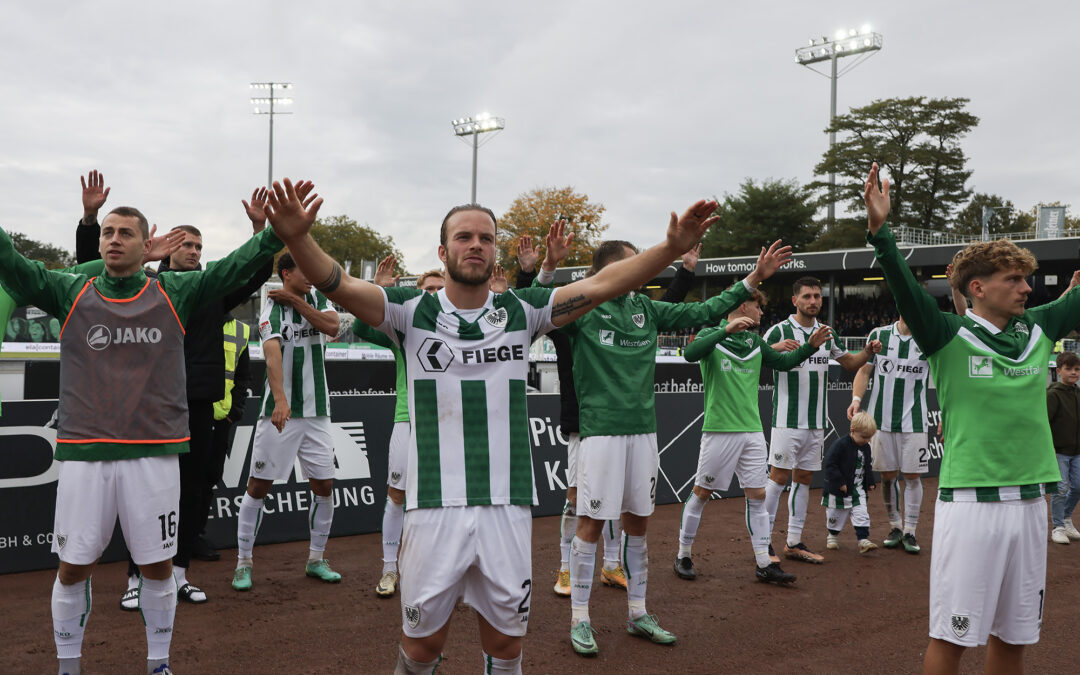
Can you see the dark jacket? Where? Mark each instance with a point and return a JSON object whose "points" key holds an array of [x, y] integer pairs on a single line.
{"points": [[203, 355], [840, 467], [568, 402], [1063, 407]]}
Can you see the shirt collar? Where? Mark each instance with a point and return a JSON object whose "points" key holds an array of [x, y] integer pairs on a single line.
{"points": [[990, 328]]}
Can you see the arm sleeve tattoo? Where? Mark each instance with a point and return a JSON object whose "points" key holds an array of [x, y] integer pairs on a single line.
{"points": [[569, 306], [332, 281]]}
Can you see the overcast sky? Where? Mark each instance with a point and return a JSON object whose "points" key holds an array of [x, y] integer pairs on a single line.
{"points": [[644, 106]]}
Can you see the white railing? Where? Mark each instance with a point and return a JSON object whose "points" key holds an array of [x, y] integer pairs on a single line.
{"points": [[917, 236]]}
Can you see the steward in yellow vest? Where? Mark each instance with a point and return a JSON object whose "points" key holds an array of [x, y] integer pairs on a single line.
{"points": [[236, 334]]}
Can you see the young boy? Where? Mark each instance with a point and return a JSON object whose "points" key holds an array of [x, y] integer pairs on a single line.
{"points": [[847, 480], [1063, 408]]}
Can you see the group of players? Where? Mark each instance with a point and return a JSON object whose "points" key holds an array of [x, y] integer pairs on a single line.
{"points": [[468, 483]]}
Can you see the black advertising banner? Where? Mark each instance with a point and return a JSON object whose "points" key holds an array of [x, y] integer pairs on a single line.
{"points": [[361, 428]]}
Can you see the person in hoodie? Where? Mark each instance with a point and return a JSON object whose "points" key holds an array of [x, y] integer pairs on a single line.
{"points": [[848, 477], [1063, 408]]}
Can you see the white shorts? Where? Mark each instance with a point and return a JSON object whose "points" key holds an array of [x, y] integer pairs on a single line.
{"points": [[988, 571], [797, 448], [903, 451], [617, 475], [482, 554], [399, 455], [723, 455], [144, 493], [305, 438], [572, 455]]}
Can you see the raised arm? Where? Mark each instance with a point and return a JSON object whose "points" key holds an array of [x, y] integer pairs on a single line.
{"points": [[94, 195], [291, 218], [32, 284]]}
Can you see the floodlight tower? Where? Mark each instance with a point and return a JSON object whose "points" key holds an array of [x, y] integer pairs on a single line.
{"points": [[474, 126], [852, 42], [270, 101]]}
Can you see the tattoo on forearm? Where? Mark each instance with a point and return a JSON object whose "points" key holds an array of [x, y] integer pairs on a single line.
{"points": [[331, 283], [569, 306]]}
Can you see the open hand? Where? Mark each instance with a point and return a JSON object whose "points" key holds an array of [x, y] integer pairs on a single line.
{"points": [[94, 192], [384, 273], [498, 283], [690, 258], [292, 209], [768, 261], [557, 245], [686, 231], [820, 336], [876, 197], [255, 210], [527, 254], [164, 246]]}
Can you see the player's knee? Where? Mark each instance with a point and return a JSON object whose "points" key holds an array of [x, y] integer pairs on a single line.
{"points": [[423, 650], [322, 487], [258, 488], [571, 495], [635, 525], [589, 529], [757, 494], [73, 574], [889, 475], [570, 508], [912, 479], [802, 476], [395, 495], [780, 476], [159, 570], [702, 493]]}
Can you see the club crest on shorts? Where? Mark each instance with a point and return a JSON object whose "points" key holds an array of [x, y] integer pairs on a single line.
{"points": [[61, 539], [412, 615], [260, 465], [594, 504], [710, 479], [639, 320], [777, 456], [960, 624], [497, 317], [395, 476]]}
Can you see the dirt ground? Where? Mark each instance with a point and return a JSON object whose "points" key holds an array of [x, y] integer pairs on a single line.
{"points": [[855, 613]]}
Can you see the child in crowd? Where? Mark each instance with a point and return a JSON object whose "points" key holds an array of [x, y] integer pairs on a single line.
{"points": [[1063, 407], [847, 479]]}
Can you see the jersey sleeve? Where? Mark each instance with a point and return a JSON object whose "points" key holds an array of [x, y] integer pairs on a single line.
{"points": [[770, 358], [704, 343], [396, 312], [537, 302], [1060, 317], [366, 332], [322, 303], [270, 321], [870, 338], [773, 335], [687, 315], [835, 350]]}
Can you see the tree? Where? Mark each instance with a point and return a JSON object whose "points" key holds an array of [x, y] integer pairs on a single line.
{"points": [[349, 243], [1004, 220], [54, 257], [770, 210], [917, 142], [533, 212]]}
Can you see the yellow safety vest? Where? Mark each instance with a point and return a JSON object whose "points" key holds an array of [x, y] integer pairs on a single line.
{"points": [[235, 344]]}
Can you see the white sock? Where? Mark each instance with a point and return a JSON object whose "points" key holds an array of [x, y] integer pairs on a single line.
{"points": [[392, 520], [773, 490], [567, 528], [247, 525], [612, 540], [913, 494], [70, 612], [322, 516], [582, 566], [508, 666], [890, 494], [157, 604], [180, 574], [133, 582], [800, 498], [407, 666], [691, 518], [757, 524], [636, 566]]}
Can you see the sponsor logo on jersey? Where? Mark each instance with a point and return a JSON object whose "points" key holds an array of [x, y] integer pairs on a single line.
{"points": [[635, 343], [493, 354], [290, 333], [605, 316], [395, 476], [99, 337], [1021, 372], [412, 615], [595, 504], [960, 624], [980, 366], [639, 320], [607, 337], [435, 356], [725, 365], [885, 366], [497, 317]]}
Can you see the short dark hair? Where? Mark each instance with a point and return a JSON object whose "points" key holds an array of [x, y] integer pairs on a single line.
{"points": [[607, 252], [757, 295], [1068, 360], [805, 282], [190, 229], [132, 212], [466, 207], [285, 262]]}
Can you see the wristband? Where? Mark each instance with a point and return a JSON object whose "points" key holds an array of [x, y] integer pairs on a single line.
{"points": [[545, 277], [856, 398]]}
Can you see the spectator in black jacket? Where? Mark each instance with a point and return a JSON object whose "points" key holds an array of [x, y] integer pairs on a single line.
{"points": [[848, 477], [205, 367], [612, 573]]}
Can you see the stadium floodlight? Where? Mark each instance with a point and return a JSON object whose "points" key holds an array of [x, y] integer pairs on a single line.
{"points": [[474, 126], [851, 42], [269, 102]]}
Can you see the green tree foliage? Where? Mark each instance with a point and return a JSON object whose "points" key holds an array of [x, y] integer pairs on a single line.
{"points": [[533, 212], [1004, 220], [348, 242], [54, 257], [758, 214], [916, 141]]}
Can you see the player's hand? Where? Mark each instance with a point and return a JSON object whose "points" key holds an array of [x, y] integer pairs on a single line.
{"points": [[768, 262], [852, 409], [292, 209], [872, 347], [787, 345], [255, 210], [690, 258], [282, 413], [557, 245], [498, 283], [843, 488], [1074, 282], [871, 488], [739, 324], [876, 197], [284, 297], [384, 273], [94, 194], [686, 231], [527, 254], [164, 246], [820, 336]]}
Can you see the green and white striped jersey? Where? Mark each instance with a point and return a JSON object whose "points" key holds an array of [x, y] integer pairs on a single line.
{"points": [[469, 442], [848, 501], [898, 394], [303, 351], [799, 395]]}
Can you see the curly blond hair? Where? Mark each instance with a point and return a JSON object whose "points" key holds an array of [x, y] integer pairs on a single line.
{"points": [[983, 258], [863, 423]]}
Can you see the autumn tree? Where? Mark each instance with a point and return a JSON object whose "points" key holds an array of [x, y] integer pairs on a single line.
{"points": [[533, 212], [761, 212], [349, 243]]}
